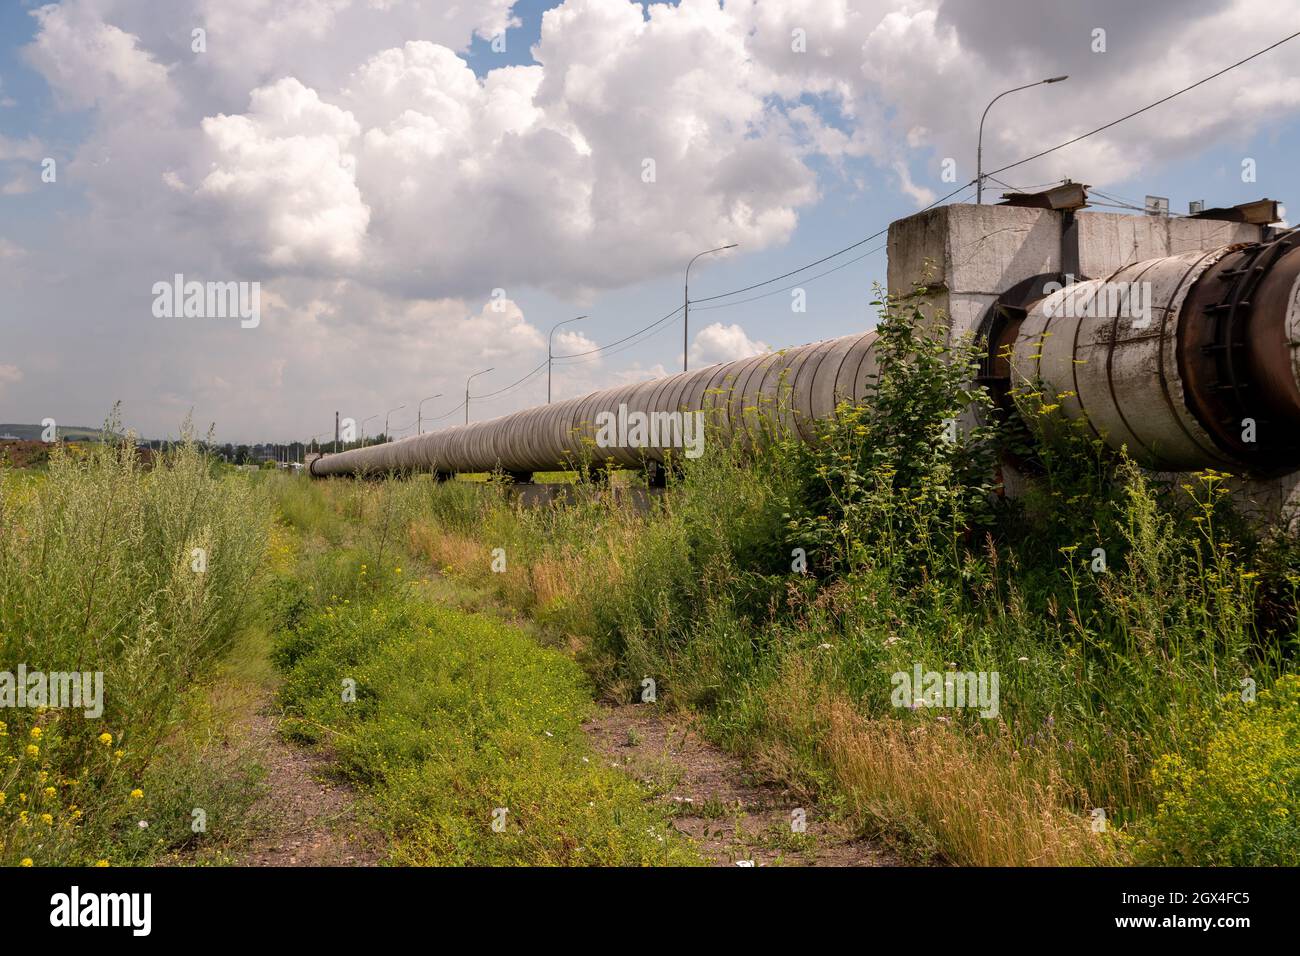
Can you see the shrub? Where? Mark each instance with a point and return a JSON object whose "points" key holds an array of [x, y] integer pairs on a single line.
{"points": [[1104, 659], [1233, 799], [903, 479], [97, 574]]}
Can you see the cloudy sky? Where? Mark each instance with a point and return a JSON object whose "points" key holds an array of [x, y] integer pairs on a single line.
{"points": [[423, 188]]}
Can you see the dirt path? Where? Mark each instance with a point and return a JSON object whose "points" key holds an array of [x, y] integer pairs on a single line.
{"points": [[733, 820], [309, 817]]}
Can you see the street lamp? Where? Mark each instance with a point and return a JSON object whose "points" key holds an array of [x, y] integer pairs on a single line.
{"points": [[979, 146], [419, 413], [686, 304], [467, 381], [363, 428], [387, 436], [549, 356]]}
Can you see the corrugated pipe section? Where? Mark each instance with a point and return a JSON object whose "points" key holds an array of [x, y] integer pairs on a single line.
{"points": [[740, 401], [1189, 361]]}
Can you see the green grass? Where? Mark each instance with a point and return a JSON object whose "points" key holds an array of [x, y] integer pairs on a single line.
{"points": [[1231, 800], [97, 574], [1119, 689], [443, 716], [455, 718], [1105, 677]]}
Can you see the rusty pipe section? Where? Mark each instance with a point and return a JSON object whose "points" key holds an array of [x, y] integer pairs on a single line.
{"points": [[1189, 361], [740, 401]]}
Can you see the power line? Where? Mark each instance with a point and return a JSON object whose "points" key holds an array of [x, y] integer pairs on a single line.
{"points": [[849, 248], [1116, 197], [1119, 202], [724, 295], [755, 298], [642, 335], [438, 418], [502, 392], [878, 234], [623, 348], [487, 396], [623, 339], [1125, 202], [1149, 106], [764, 295], [1025, 189], [1021, 162], [507, 388], [461, 404]]}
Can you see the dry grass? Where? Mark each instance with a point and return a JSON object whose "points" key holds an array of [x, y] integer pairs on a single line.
{"points": [[553, 580], [444, 549], [964, 798], [933, 784], [542, 582]]}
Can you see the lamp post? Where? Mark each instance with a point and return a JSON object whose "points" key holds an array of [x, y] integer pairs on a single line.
{"points": [[550, 356], [686, 304], [979, 146], [419, 413], [467, 381], [387, 436], [363, 428]]}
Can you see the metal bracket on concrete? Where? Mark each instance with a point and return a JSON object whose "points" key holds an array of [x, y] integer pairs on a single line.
{"points": [[1261, 212], [1068, 196]]}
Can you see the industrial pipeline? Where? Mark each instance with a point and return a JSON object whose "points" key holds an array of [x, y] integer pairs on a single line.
{"points": [[1201, 369], [740, 400]]}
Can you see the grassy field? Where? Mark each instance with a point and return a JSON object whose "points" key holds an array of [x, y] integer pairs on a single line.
{"points": [[138, 580], [465, 732], [192, 589], [1142, 633]]}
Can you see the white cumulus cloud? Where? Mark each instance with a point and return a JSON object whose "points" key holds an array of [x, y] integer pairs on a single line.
{"points": [[283, 180], [723, 343]]}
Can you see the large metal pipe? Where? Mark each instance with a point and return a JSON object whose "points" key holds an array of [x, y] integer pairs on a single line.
{"points": [[1189, 361], [740, 400]]}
